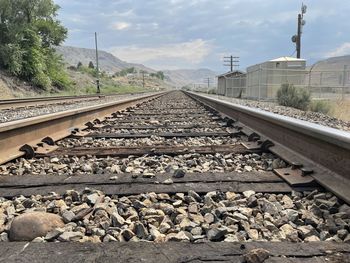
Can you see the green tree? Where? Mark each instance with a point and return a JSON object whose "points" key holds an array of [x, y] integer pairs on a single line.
{"points": [[159, 75], [91, 65], [29, 31]]}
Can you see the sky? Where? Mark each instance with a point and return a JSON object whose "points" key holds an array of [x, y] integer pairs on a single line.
{"points": [[191, 34]]}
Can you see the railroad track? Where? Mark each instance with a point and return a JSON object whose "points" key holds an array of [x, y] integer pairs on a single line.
{"points": [[42, 101], [10, 104], [200, 179]]}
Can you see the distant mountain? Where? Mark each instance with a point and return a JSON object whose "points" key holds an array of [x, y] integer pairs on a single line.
{"points": [[330, 71], [183, 77], [334, 63], [108, 62], [112, 64]]}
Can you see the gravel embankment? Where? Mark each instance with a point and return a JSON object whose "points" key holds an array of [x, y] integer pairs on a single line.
{"points": [[28, 112], [314, 117], [90, 216]]}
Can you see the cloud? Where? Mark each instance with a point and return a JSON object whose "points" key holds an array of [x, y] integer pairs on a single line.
{"points": [[343, 49], [121, 26], [191, 33], [192, 52]]}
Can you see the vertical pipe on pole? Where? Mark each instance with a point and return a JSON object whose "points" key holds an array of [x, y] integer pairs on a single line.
{"points": [[259, 81], [299, 36], [97, 66]]}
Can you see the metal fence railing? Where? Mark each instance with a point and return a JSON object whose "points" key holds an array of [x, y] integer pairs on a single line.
{"points": [[263, 83]]}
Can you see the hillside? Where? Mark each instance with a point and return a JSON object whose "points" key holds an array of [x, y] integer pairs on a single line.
{"points": [[108, 62], [183, 77], [83, 82], [112, 64], [332, 71], [11, 87], [334, 63]]}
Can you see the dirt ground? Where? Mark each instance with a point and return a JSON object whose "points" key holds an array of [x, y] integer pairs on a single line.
{"points": [[11, 87], [341, 109]]}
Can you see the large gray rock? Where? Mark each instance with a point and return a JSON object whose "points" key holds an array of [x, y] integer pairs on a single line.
{"points": [[28, 226], [269, 207], [67, 216], [179, 173], [140, 230], [216, 234]]}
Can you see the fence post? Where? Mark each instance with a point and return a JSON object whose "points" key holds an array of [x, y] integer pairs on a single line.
{"points": [[259, 82]]}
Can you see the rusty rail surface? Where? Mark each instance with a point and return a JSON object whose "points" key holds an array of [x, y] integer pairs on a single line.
{"points": [[320, 152], [21, 137]]}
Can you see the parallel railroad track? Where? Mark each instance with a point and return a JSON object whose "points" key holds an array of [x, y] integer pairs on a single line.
{"points": [[42, 101], [202, 173]]}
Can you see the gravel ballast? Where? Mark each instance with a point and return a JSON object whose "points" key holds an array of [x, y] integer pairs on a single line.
{"points": [[196, 163], [90, 216], [28, 112], [314, 117]]}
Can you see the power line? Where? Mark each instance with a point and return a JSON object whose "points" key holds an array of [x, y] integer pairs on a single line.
{"points": [[232, 62]]}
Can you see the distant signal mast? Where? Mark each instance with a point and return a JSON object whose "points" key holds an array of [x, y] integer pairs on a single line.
{"points": [[301, 23]]}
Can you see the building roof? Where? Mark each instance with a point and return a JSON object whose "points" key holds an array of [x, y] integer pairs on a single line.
{"points": [[232, 72], [281, 59]]}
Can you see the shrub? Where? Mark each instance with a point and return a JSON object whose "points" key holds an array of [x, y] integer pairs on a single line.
{"points": [[290, 96], [321, 106], [159, 75], [125, 72], [212, 91], [91, 65]]}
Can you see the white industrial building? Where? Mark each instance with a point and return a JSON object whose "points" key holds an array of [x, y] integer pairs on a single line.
{"points": [[264, 79]]}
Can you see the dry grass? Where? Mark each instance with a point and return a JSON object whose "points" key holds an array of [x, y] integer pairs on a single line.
{"points": [[341, 109]]}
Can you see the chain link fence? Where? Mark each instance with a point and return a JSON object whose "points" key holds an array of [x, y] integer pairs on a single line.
{"points": [[263, 83]]}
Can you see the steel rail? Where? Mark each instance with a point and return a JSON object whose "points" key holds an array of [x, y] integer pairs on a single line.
{"points": [[324, 150], [23, 102], [32, 131]]}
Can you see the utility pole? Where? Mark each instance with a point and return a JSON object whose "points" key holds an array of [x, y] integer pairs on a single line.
{"points": [[97, 66], [297, 38], [143, 79], [231, 60], [207, 80]]}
